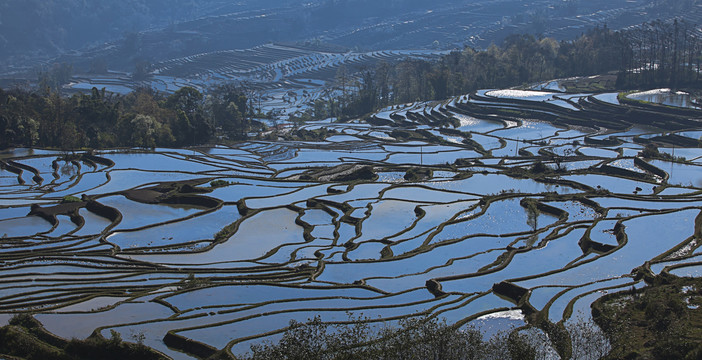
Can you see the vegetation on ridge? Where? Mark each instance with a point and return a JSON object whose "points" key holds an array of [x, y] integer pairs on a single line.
{"points": [[26, 338], [146, 118], [143, 118], [662, 321], [673, 47]]}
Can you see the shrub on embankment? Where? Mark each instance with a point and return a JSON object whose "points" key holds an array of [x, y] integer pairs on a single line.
{"points": [[26, 338]]}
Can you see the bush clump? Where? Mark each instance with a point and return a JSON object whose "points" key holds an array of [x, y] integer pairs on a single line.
{"points": [[539, 168], [413, 338], [418, 174], [363, 173], [70, 199], [219, 183], [652, 152], [25, 338], [661, 321]]}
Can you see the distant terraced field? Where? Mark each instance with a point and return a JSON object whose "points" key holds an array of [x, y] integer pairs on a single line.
{"points": [[272, 63], [275, 71]]}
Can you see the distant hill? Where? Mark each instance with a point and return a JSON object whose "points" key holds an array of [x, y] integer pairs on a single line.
{"points": [[121, 34], [48, 27]]}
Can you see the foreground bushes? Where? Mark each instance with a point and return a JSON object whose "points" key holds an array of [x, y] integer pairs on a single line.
{"points": [[25, 338], [420, 338], [662, 321], [413, 338]]}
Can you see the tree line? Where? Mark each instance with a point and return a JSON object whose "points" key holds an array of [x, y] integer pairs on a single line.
{"points": [[652, 54], [662, 53], [143, 118]]}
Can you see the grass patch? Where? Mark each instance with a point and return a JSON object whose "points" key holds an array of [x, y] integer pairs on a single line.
{"points": [[70, 199], [661, 321]]}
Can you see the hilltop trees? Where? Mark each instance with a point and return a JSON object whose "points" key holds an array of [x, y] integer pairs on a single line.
{"points": [[52, 79], [229, 110], [16, 124], [653, 54], [521, 59], [663, 53], [191, 124], [143, 118]]}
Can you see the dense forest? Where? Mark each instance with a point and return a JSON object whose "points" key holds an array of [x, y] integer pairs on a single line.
{"points": [[143, 118], [649, 55]]}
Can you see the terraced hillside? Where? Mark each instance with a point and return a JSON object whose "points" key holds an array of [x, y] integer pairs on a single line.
{"points": [[215, 26], [496, 209], [287, 76]]}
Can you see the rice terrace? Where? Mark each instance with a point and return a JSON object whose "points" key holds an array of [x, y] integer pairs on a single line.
{"points": [[224, 245], [341, 192]]}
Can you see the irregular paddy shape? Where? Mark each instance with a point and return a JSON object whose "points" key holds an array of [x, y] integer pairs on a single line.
{"points": [[471, 124], [253, 294], [136, 214], [198, 228], [150, 162], [598, 152], [491, 184], [680, 174], [127, 179], [665, 97], [82, 325], [247, 243], [638, 250], [614, 184], [13, 212], [529, 130], [236, 192], [261, 249], [24, 226], [521, 94]]}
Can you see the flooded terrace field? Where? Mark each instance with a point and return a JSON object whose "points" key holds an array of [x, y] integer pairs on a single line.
{"points": [[488, 208]]}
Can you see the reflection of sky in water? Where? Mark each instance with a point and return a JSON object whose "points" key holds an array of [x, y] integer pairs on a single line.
{"points": [[408, 219], [608, 97], [680, 174], [665, 97]]}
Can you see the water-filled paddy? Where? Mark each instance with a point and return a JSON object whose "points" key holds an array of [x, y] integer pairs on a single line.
{"points": [[665, 97], [242, 258]]}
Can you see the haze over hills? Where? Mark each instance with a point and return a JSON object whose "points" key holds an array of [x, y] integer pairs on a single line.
{"points": [[289, 51], [121, 34]]}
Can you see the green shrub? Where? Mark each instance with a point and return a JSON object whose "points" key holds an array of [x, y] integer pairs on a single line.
{"points": [[219, 183], [650, 152], [25, 338], [539, 168], [412, 338], [24, 320], [70, 199], [418, 174]]}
